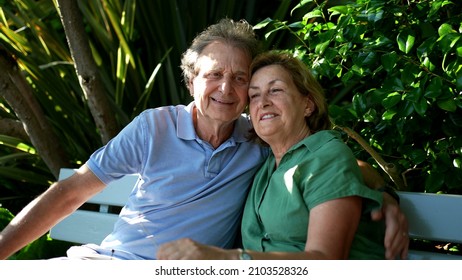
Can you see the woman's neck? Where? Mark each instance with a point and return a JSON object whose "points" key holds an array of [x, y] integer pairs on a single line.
{"points": [[280, 147]]}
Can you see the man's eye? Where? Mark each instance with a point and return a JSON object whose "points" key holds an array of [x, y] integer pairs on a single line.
{"points": [[241, 79], [213, 75]]}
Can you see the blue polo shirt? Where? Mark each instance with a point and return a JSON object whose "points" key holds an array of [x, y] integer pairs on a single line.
{"points": [[186, 188]]}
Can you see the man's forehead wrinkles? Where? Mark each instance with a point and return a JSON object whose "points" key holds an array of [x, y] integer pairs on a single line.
{"points": [[208, 63]]}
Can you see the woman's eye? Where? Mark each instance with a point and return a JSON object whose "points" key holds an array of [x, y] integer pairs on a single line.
{"points": [[252, 96], [275, 90]]}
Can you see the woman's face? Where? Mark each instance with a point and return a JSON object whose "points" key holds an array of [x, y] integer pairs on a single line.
{"points": [[277, 108]]}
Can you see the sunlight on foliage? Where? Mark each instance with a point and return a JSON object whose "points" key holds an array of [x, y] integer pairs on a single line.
{"points": [[396, 68]]}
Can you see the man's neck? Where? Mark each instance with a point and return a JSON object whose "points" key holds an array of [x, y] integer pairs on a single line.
{"points": [[212, 132]]}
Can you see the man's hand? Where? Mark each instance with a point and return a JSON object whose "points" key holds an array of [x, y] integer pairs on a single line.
{"points": [[396, 232], [396, 237]]}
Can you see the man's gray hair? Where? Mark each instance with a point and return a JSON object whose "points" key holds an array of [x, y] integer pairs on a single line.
{"points": [[239, 34]]}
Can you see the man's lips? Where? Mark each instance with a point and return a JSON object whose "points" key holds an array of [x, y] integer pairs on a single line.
{"points": [[225, 102]]}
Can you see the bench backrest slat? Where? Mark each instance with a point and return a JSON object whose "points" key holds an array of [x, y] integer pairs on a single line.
{"points": [[84, 226], [435, 217], [115, 193]]}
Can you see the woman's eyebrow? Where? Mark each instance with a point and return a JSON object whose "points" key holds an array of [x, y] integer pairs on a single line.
{"points": [[272, 82]]}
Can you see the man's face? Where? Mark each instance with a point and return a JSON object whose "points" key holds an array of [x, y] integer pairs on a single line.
{"points": [[220, 86]]}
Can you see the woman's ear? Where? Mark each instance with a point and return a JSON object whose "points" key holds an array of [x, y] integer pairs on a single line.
{"points": [[310, 106]]}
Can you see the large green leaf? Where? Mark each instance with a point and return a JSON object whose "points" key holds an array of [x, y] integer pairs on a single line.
{"points": [[406, 39]]}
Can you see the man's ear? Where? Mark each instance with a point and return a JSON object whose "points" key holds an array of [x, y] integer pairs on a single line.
{"points": [[191, 87]]}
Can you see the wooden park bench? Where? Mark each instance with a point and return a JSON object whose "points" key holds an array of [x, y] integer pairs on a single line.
{"points": [[434, 217]]}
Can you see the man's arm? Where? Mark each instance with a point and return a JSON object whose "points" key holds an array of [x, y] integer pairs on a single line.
{"points": [[396, 238], [40, 215], [372, 177]]}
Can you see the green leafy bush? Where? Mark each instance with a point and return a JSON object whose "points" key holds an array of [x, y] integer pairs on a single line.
{"points": [[392, 71]]}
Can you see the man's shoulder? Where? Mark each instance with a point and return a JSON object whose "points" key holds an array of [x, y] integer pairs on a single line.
{"points": [[169, 110]]}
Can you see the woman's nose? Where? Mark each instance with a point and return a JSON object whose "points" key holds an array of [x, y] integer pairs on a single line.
{"points": [[264, 101]]}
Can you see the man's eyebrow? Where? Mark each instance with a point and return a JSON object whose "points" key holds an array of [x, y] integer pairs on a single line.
{"points": [[241, 72], [215, 69]]}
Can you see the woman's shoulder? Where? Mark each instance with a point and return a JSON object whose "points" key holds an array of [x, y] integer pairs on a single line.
{"points": [[327, 140]]}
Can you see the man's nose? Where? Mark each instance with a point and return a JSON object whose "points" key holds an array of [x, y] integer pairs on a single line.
{"points": [[225, 86]]}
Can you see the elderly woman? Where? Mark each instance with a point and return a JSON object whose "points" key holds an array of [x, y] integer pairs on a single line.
{"points": [[308, 200]]}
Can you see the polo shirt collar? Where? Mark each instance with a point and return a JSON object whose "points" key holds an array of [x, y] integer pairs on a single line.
{"points": [[186, 131]]}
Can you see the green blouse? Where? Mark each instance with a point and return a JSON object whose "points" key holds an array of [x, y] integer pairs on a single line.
{"points": [[317, 169]]}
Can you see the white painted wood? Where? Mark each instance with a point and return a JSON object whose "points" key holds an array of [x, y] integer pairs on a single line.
{"points": [[436, 217], [84, 226], [115, 193]]}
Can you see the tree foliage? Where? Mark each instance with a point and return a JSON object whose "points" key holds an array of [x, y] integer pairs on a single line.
{"points": [[392, 71]]}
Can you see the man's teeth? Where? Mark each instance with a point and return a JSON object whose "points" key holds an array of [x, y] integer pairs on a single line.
{"points": [[220, 101]]}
